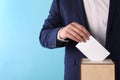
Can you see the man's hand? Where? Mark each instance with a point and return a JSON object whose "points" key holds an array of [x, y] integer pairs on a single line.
{"points": [[74, 31]]}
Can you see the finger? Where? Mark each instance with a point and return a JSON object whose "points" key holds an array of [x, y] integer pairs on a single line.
{"points": [[70, 36], [76, 35], [80, 32], [81, 28]]}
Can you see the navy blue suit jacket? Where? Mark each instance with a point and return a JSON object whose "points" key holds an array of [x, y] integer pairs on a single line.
{"points": [[62, 13]]}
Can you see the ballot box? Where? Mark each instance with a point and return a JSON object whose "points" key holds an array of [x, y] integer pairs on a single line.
{"points": [[103, 70]]}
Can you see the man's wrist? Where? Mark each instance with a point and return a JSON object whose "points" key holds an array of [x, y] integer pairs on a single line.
{"points": [[59, 38]]}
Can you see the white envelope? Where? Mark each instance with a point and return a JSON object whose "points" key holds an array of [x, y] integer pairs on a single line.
{"points": [[93, 50]]}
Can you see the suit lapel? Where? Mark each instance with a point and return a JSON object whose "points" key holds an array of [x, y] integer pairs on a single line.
{"points": [[82, 13], [112, 10]]}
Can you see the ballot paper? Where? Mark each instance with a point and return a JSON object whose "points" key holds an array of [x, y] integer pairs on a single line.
{"points": [[93, 50]]}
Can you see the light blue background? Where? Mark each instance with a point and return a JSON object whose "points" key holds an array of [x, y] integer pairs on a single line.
{"points": [[21, 55]]}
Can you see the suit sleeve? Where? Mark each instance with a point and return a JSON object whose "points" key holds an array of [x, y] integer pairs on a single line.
{"points": [[48, 34]]}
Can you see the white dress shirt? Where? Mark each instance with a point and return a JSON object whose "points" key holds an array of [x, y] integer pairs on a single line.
{"points": [[97, 15]]}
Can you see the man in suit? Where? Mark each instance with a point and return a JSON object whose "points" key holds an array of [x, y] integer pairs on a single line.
{"points": [[73, 21]]}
